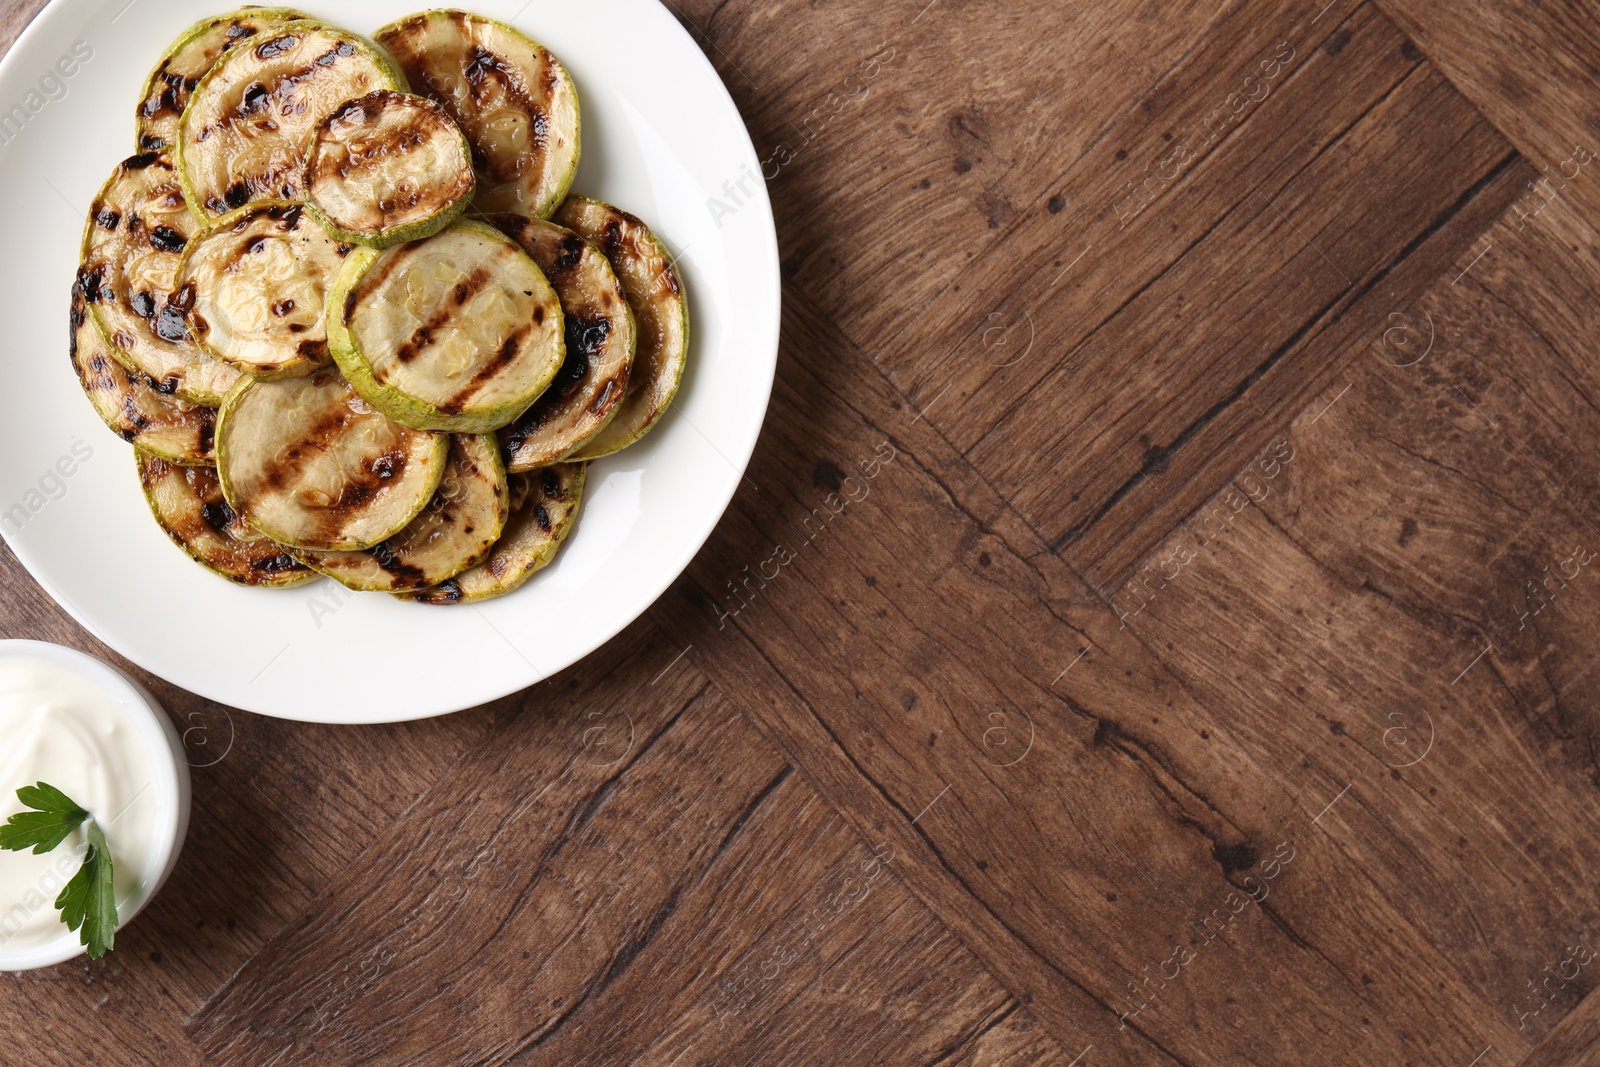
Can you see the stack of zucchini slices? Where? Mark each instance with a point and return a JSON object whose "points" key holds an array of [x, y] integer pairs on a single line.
{"points": [[345, 310]]}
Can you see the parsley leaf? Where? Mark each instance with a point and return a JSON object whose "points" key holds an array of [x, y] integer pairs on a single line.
{"points": [[55, 815], [89, 900]]}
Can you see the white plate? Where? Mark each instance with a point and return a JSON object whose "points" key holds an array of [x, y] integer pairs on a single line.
{"points": [[660, 138]]}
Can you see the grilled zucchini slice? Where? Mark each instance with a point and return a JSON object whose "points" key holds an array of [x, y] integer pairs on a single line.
{"points": [[247, 130], [308, 463], [544, 509], [134, 237], [588, 389], [455, 531], [514, 100], [254, 284], [660, 310], [460, 332], [191, 56], [389, 168], [131, 405], [188, 503]]}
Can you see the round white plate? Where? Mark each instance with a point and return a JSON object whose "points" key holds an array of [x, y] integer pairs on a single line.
{"points": [[661, 138]]}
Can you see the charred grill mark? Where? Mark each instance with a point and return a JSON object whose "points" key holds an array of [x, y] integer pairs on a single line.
{"points": [[276, 46], [184, 298], [551, 484], [542, 517], [280, 308], [479, 66], [141, 161], [425, 334], [217, 515], [388, 465], [611, 239], [207, 430], [378, 274], [135, 419], [167, 239], [98, 375], [169, 325], [405, 575], [587, 337], [93, 284], [289, 468], [277, 564], [482, 72], [143, 304], [570, 254], [107, 219], [447, 592], [609, 393], [420, 340], [509, 349], [530, 423], [509, 224], [237, 195], [352, 114], [312, 350], [254, 98]]}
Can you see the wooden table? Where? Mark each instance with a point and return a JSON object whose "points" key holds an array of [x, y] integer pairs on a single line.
{"points": [[1158, 626]]}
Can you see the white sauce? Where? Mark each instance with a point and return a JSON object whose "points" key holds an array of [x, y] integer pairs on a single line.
{"points": [[59, 728]]}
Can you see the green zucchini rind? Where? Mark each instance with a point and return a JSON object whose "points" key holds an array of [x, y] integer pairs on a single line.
{"points": [[188, 503], [514, 100], [195, 52], [309, 464], [544, 510], [389, 168], [587, 392], [254, 284], [460, 332], [455, 531], [135, 234], [247, 130], [660, 310], [130, 404]]}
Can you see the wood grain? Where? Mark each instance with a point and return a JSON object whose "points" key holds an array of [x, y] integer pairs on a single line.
{"points": [[1156, 626], [597, 878]]}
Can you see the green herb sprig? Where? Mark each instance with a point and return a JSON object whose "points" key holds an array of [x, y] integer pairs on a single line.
{"points": [[89, 900]]}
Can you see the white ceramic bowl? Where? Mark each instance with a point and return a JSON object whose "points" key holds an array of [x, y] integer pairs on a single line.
{"points": [[169, 780]]}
